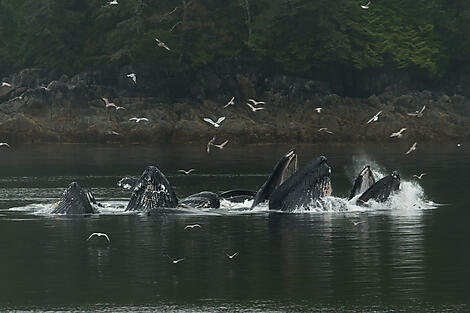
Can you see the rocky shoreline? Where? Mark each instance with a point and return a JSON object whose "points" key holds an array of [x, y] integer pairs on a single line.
{"points": [[70, 110]]}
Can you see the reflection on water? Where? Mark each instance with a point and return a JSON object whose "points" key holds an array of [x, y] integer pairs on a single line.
{"points": [[398, 256]]}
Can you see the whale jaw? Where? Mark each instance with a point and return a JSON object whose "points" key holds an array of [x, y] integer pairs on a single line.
{"points": [[74, 201]]}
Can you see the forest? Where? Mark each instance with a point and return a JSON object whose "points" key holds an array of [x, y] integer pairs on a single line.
{"points": [[296, 37]]}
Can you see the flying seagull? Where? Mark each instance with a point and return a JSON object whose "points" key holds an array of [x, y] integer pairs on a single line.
{"points": [[186, 172], [174, 261], [112, 132], [192, 226], [114, 2], [161, 44], [318, 110], [253, 108], [418, 113], [5, 84], [230, 102], [231, 256], [398, 134], [412, 148], [108, 104], [132, 76], [222, 145], [366, 6], [326, 130], [357, 223], [420, 175], [374, 118], [4, 144], [99, 235], [139, 119], [254, 102], [209, 144], [215, 124]]}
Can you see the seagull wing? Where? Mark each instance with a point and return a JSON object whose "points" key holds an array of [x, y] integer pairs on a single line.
{"points": [[93, 234], [422, 109], [220, 120], [208, 120], [133, 119], [223, 144]]}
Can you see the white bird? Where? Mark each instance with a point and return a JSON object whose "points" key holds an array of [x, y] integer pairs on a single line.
{"points": [[398, 134], [187, 172], [174, 261], [132, 76], [112, 132], [5, 84], [222, 145], [230, 102], [357, 223], [120, 108], [412, 148], [374, 118], [365, 7], [418, 113], [326, 130], [458, 145], [114, 2], [256, 102], [99, 235], [231, 256], [161, 44], [215, 124], [318, 110], [419, 176], [139, 119], [108, 104], [209, 144], [4, 144], [192, 226], [253, 108]]}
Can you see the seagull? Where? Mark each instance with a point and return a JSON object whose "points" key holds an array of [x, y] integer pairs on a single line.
{"points": [[357, 223], [253, 108], [209, 144], [318, 110], [221, 146], [114, 2], [326, 130], [161, 44], [109, 104], [112, 132], [419, 176], [187, 172], [132, 76], [99, 235], [139, 119], [418, 113], [4, 144], [231, 256], [412, 148], [374, 118], [215, 124], [120, 108], [230, 102], [398, 134], [192, 226], [174, 261], [5, 84], [458, 145], [365, 7], [256, 102]]}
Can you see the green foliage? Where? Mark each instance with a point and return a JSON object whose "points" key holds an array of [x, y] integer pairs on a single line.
{"points": [[298, 36]]}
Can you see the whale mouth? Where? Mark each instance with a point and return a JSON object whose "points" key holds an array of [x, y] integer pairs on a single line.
{"points": [[324, 186], [290, 167]]}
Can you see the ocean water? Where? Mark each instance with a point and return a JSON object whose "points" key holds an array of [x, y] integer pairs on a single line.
{"points": [[410, 253]]}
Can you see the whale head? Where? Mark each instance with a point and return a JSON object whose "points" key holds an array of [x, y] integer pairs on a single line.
{"points": [[152, 191], [74, 200], [303, 187], [284, 168], [364, 180], [381, 190]]}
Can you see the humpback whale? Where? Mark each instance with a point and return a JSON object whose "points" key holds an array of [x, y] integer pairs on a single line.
{"points": [[238, 195], [303, 187], [205, 199], [364, 180], [284, 168], [381, 190], [74, 200]]}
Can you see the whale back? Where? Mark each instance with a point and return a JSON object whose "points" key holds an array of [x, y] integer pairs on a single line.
{"points": [[303, 187], [74, 201], [152, 191], [204, 199]]}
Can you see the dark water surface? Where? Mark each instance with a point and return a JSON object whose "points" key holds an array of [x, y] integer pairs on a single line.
{"points": [[405, 256]]}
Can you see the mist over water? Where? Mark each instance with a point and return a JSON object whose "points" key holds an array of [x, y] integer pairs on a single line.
{"points": [[405, 254]]}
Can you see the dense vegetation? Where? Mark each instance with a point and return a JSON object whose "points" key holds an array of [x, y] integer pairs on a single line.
{"points": [[294, 36]]}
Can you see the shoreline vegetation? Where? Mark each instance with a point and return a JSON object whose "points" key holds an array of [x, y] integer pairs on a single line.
{"points": [[72, 110]]}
